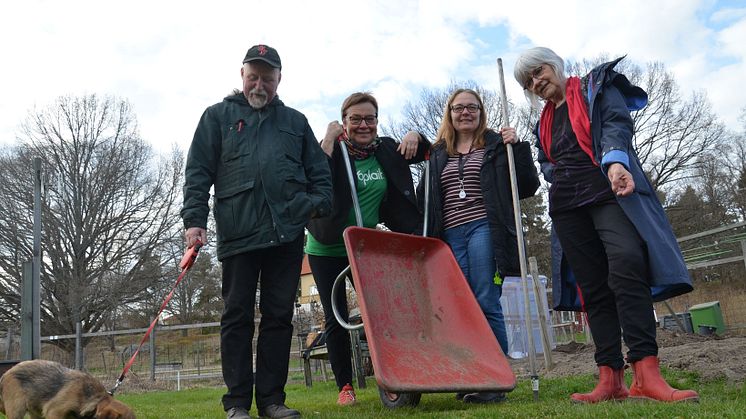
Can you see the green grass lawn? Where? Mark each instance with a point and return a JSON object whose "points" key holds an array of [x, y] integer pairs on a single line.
{"points": [[718, 400]]}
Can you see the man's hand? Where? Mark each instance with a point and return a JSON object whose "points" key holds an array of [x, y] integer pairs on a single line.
{"points": [[621, 180], [195, 233]]}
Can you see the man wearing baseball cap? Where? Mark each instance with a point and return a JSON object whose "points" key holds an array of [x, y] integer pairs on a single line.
{"points": [[270, 177], [263, 53]]}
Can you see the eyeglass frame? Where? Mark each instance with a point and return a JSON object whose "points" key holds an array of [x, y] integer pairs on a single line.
{"points": [[370, 120], [468, 108], [534, 74]]}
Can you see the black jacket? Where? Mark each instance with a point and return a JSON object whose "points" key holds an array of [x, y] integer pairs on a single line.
{"points": [[495, 183], [399, 210]]}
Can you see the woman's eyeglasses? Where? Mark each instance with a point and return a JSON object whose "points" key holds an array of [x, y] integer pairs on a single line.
{"points": [[535, 74], [472, 108], [357, 120]]}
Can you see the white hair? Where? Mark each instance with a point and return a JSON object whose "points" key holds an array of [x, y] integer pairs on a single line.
{"points": [[528, 61]]}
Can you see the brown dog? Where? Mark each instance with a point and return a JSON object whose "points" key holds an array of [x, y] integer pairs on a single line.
{"points": [[48, 390]]}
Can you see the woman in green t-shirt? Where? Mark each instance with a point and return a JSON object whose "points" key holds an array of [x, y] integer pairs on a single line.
{"points": [[386, 195]]}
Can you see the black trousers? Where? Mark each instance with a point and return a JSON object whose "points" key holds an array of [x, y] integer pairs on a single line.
{"points": [[276, 270], [609, 260], [325, 270]]}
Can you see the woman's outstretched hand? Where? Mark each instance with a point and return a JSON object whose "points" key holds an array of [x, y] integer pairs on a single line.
{"points": [[621, 180]]}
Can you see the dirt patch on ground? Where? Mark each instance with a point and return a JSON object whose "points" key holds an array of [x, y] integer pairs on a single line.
{"points": [[712, 357]]}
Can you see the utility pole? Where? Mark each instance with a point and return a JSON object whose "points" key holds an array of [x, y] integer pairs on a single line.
{"points": [[31, 299], [36, 272]]}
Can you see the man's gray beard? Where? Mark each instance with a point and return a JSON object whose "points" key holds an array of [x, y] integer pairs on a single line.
{"points": [[257, 102]]}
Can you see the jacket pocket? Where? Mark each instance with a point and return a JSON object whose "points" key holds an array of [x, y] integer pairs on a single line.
{"points": [[293, 174], [295, 189], [235, 211], [234, 144], [290, 142]]}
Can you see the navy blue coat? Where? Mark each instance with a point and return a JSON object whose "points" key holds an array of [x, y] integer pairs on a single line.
{"points": [[610, 97]]}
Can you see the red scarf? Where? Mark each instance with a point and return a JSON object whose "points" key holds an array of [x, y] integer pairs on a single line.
{"points": [[578, 114]]}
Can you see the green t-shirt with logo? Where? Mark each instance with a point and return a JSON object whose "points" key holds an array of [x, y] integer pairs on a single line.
{"points": [[371, 188]]}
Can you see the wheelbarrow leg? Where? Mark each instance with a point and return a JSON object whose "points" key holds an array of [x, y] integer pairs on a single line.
{"points": [[357, 358]]}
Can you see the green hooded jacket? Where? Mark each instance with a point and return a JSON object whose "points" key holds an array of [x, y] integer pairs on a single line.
{"points": [[269, 175]]}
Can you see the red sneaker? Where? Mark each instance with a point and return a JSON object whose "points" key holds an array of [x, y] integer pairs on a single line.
{"points": [[347, 396]]}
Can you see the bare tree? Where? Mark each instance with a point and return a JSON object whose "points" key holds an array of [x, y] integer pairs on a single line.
{"points": [[110, 210], [424, 115], [198, 297], [718, 190], [720, 182], [731, 161]]}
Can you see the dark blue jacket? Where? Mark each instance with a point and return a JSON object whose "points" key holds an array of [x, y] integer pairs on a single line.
{"points": [[610, 97]]}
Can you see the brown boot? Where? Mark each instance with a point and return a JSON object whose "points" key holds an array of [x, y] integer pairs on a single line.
{"points": [[610, 387], [648, 384]]}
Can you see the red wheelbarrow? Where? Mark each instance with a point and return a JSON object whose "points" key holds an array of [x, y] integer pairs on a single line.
{"points": [[426, 332]]}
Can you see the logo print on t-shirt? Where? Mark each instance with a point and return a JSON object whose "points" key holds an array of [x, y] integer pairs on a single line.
{"points": [[368, 176]]}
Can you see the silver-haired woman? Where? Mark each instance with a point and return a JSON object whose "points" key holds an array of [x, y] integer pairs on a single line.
{"points": [[610, 224]]}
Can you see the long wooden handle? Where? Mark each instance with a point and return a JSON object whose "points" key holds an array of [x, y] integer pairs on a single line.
{"points": [[519, 235]]}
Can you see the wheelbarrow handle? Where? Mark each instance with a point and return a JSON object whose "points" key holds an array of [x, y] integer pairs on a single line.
{"points": [[335, 291], [426, 212], [340, 280], [351, 179]]}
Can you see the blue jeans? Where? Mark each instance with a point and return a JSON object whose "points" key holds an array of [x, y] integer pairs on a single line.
{"points": [[472, 246]]}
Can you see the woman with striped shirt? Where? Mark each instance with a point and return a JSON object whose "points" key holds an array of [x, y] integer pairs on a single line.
{"points": [[472, 207]]}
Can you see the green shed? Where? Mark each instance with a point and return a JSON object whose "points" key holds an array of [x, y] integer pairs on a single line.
{"points": [[707, 314]]}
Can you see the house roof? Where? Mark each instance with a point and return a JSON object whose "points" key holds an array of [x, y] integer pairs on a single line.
{"points": [[305, 268]]}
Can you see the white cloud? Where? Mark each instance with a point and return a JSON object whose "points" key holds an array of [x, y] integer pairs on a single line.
{"points": [[173, 59]]}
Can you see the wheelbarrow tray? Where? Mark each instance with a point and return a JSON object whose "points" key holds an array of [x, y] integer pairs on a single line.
{"points": [[426, 332]]}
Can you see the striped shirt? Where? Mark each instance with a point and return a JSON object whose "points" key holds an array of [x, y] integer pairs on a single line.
{"points": [[457, 208]]}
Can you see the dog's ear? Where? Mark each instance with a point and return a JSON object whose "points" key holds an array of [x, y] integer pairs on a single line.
{"points": [[109, 408]]}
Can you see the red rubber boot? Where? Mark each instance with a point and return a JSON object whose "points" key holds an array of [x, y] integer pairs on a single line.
{"points": [[610, 387], [648, 384]]}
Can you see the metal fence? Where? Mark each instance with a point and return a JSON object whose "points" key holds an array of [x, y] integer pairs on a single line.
{"points": [[173, 357]]}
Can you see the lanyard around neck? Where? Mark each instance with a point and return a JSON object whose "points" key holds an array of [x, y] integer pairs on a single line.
{"points": [[462, 163]]}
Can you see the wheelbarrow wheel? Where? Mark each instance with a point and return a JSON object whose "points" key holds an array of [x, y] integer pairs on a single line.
{"points": [[398, 400]]}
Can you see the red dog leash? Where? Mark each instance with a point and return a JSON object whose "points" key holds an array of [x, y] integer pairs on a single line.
{"points": [[186, 262]]}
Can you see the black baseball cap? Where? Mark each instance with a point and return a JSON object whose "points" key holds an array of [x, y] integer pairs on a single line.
{"points": [[264, 53]]}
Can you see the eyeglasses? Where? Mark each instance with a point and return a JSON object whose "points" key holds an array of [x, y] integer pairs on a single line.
{"points": [[534, 74], [357, 120], [471, 108]]}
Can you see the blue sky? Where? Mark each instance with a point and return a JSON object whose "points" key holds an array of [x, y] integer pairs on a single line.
{"points": [[173, 59]]}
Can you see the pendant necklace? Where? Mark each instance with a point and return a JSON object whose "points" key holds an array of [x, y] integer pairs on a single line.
{"points": [[461, 163]]}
